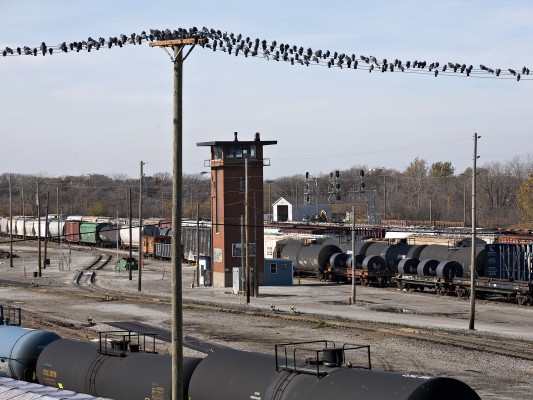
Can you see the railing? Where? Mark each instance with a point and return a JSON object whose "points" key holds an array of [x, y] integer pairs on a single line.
{"points": [[308, 359]]}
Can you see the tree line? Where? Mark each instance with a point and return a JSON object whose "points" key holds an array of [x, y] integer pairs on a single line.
{"points": [[421, 192]]}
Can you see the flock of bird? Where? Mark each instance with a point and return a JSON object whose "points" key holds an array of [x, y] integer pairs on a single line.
{"points": [[235, 44]]}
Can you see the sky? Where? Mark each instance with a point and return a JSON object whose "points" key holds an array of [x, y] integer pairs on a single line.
{"points": [[105, 111]]}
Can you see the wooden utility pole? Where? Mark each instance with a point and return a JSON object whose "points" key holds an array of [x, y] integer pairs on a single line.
{"points": [[10, 224], [46, 230], [177, 186], [353, 255], [23, 214], [139, 268], [39, 231], [256, 261], [384, 197], [473, 254], [246, 233], [198, 244], [130, 217]]}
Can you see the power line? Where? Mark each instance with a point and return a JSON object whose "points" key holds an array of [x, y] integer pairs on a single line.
{"points": [[237, 44]]}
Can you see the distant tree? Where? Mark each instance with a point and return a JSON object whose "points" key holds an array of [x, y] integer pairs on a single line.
{"points": [[524, 199], [163, 176], [97, 209], [441, 169], [418, 168], [416, 174]]}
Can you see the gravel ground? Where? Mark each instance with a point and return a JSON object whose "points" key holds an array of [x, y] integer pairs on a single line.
{"points": [[57, 304]]}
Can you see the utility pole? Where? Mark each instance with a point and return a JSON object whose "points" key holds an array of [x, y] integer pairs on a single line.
{"points": [[10, 223], [198, 244], [246, 233], [316, 185], [353, 254], [177, 302], [140, 227], [23, 215], [46, 229], [256, 261], [39, 231], [473, 254], [130, 217], [385, 197], [243, 263], [464, 204], [270, 206], [297, 212]]}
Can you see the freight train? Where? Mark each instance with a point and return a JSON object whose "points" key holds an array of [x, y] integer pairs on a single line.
{"points": [[376, 262], [502, 269], [112, 232], [123, 370]]}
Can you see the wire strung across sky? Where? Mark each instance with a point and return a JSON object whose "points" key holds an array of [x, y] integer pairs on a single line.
{"points": [[236, 44]]}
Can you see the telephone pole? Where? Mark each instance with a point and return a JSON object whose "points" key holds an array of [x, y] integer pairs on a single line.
{"points": [[10, 223], [140, 226], [178, 45], [353, 255], [39, 231], [473, 254]]}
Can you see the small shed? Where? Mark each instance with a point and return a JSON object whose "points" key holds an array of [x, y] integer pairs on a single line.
{"points": [[124, 264], [277, 272], [290, 209]]}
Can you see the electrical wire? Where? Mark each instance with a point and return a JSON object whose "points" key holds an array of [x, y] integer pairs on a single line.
{"points": [[237, 44]]}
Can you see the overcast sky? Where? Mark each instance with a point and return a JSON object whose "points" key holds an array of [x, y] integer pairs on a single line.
{"points": [[104, 112]]}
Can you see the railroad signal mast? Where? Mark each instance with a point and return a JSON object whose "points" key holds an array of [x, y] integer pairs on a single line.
{"points": [[372, 205], [334, 188]]}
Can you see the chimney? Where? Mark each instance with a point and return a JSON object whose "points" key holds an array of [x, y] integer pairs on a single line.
{"points": [[235, 133], [257, 136]]}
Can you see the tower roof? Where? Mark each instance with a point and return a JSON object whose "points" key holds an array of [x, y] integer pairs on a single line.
{"points": [[257, 140]]}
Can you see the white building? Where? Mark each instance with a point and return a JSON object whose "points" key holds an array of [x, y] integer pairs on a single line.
{"points": [[288, 209]]}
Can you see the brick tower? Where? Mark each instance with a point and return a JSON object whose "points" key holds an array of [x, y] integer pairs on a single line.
{"points": [[228, 194]]}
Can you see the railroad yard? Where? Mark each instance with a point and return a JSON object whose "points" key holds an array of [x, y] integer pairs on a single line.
{"points": [[411, 332]]}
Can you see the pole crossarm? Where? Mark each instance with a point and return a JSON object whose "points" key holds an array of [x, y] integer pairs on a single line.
{"points": [[178, 42]]}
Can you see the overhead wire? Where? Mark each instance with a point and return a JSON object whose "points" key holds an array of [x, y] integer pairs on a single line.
{"points": [[237, 44]]}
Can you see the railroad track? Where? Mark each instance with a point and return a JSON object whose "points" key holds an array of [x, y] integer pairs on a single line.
{"points": [[466, 340], [85, 278]]}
